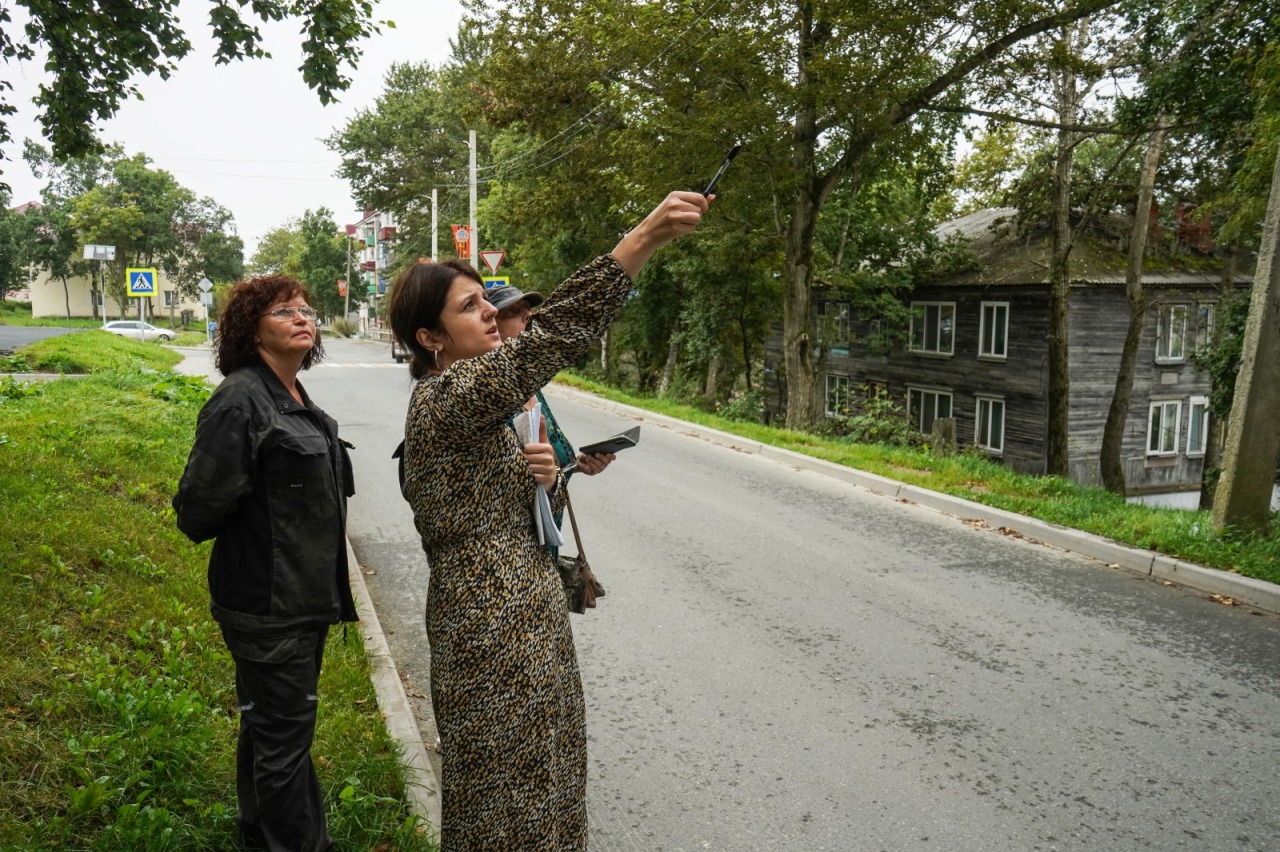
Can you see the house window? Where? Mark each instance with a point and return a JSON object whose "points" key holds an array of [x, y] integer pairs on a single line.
{"points": [[170, 298], [833, 322], [1162, 437], [989, 432], [932, 327], [1171, 333], [1197, 425], [993, 336], [925, 406], [837, 396], [1204, 325]]}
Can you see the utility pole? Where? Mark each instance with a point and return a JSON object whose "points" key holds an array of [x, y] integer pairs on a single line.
{"points": [[475, 242], [1243, 497], [435, 235], [346, 301]]}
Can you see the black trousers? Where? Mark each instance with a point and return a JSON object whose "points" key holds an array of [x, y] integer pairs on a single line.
{"points": [[280, 806]]}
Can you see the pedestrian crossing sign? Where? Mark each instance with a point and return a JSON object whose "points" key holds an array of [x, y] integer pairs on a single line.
{"points": [[140, 282]]}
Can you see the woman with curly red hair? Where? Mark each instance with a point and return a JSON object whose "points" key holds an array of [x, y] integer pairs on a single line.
{"points": [[268, 479]]}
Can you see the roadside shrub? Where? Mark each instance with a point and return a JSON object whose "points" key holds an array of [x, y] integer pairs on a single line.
{"points": [[343, 327], [745, 407], [879, 420]]}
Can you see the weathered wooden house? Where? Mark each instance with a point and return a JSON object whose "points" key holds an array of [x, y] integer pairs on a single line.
{"points": [[976, 351]]}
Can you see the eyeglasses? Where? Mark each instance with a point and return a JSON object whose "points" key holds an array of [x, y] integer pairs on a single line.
{"points": [[287, 314]]}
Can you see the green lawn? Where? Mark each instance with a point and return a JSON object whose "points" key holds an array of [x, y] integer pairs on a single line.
{"points": [[120, 722]]}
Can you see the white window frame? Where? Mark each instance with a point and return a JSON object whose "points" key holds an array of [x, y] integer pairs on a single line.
{"points": [[981, 440], [1161, 440], [1206, 316], [992, 354], [937, 394], [170, 298], [834, 315], [1167, 326], [939, 328], [1197, 419], [841, 386]]}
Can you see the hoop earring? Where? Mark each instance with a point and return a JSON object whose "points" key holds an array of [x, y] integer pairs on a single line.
{"points": [[435, 356]]}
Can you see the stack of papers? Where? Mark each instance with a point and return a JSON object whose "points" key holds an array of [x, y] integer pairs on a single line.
{"points": [[528, 426]]}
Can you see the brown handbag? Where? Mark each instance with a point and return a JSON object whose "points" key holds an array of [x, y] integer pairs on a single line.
{"points": [[581, 588]]}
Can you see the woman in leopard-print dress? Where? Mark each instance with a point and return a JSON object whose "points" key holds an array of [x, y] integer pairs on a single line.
{"points": [[504, 675]]}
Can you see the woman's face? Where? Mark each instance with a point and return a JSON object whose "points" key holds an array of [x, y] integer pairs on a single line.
{"points": [[513, 319], [468, 322], [287, 337]]}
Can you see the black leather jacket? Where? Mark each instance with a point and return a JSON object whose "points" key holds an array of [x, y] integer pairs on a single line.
{"points": [[269, 480]]}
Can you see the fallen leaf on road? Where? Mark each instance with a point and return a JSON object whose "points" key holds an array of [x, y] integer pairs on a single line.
{"points": [[370, 573], [1224, 600], [976, 523]]}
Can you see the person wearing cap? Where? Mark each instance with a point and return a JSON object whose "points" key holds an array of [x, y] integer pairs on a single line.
{"points": [[515, 310]]}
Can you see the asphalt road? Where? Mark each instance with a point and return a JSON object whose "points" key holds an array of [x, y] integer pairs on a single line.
{"points": [[13, 336], [787, 662]]}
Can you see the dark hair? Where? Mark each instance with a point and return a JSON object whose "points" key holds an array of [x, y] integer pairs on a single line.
{"points": [[417, 300], [238, 325]]}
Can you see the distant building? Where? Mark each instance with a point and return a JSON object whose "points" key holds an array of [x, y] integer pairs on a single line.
{"points": [[976, 350], [49, 298]]}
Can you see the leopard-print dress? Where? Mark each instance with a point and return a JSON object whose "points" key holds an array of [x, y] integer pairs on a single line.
{"points": [[504, 676]]}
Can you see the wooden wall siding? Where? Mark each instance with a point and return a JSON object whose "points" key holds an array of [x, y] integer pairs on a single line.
{"points": [[1019, 379], [1099, 317]]}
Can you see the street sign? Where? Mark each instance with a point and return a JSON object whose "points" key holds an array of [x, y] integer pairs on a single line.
{"points": [[205, 285], [342, 286], [206, 299], [493, 259], [93, 252], [491, 281], [140, 282]]}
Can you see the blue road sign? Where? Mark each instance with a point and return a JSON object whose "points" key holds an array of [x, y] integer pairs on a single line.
{"points": [[140, 282]]}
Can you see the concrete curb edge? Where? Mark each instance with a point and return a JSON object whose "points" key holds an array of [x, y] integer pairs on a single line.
{"points": [[1211, 581], [422, 787]]}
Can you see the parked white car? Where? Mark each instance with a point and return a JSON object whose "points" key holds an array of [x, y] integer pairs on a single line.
{"points": [[139, 330]]}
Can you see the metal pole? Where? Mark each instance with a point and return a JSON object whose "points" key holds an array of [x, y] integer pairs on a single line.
{"points": [[377, 224], [475, 241], [435, 235], [346, 303]]}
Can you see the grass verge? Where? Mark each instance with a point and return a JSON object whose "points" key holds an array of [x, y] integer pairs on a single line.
{"points": [[119, 722], [1180, 533], [88, 352], [19, 313]]}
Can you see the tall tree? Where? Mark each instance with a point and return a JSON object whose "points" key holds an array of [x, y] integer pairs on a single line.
{"points": [[823, 92], [97, 50]]}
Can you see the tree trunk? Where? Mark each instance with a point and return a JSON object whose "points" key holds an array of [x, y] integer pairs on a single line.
{"points": [[673, 356], [1243, 497], [604, 354], [1059, 391], [1110, 465], [713, 380], [66, 296], [746, 349], [797, 310], [1215, 441]]}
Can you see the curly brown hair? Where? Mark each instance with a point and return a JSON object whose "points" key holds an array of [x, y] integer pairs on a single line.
{"points": [[233, 346]]}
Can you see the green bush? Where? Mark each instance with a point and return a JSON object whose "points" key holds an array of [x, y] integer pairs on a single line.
{"points": [[343, 327], [747, 407]]}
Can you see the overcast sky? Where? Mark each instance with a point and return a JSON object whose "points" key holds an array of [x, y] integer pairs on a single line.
{"points": [[249, 135]]}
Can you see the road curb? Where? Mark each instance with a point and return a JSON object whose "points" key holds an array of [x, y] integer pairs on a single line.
{"points": [[422, 787], [1258, 594]]}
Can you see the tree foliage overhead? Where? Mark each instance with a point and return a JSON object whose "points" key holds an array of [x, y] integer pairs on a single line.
{"points": [[96, 51]]}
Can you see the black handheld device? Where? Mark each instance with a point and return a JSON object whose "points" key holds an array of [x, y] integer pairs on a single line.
{"points": [[728, 158]]}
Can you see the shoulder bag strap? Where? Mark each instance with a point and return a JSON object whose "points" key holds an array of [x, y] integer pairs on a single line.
{"points": [[577, 539]]}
